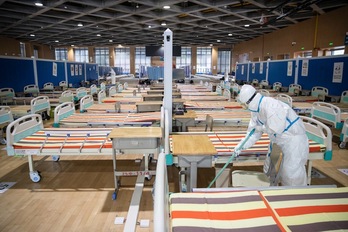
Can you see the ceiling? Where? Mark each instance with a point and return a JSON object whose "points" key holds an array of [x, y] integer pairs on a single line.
{"points": [[113, 22]]}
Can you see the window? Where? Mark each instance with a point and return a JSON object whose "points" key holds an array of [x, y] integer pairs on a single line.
{"points": [[61, 53], [224, 61], [141, 61], [22, 48], [204, 60], [102, 56], [81, 54], [122, 59], [334, 51], [185, 58]]}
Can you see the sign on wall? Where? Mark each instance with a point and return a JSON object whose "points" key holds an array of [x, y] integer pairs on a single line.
{"points": [[337, 72]]}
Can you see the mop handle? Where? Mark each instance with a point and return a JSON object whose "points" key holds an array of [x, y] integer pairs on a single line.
{"points": [[231, 158]]}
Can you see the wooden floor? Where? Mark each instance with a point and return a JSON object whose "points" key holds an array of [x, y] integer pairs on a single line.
{"points": [[75, 194]]}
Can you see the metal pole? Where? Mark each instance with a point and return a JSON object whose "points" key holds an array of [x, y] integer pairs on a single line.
{"points": [[168, 75]]}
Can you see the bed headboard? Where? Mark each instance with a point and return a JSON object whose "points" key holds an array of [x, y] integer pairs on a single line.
{"points": [[264, 83], [219, 90], [21, 128], [102, 86], [327, 113], [40, 104], [318, 90], [264, 92], [63, 84], [285, 98], [112, 91], [63, 111], [48, 86], [227, 94], [93, 89], [295, 88], [320, 133], [119, 88], [5, 115], [344, 97], [227, 85], [6, 95], [125, 85], [33, 89], [86, 102], [101, 96], [66, 96], [81, 92], [277, 86]]}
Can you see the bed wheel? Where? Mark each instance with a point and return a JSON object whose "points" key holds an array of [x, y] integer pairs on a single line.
{"points": [[342, 145], [35, 176], [55, 158], [114, 196]]}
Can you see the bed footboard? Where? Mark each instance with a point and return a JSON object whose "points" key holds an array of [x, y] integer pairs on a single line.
{"points": [[39, 105], [22, 128], [320, 133], [101, 96], [5, 115], [63, 111], [327, 113], [86, 102]]}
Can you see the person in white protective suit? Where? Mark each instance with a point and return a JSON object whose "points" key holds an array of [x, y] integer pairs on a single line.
{"points": [[283, 126]]}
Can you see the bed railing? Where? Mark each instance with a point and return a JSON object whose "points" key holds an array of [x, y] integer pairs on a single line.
{"points": [[31, 89], [93, 89], [81, 92], [5, 115], [227, 94], [112, 91], [344, 97], [101, 96], [40, 104], [6, 95], [66, 96], [63, 111]]}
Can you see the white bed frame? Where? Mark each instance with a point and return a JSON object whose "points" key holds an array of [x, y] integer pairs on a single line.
{"points": [[327, 113], [31, 89], [7, 95], [81, 92], [295, 89], [264, 83], [284, 98], [48, 86], [62, 111], [264, 92], [63, 84], [66, 96], [102, 86], [101, 96], [319, 92], [112, 91], [277, 86], [344, 97], [119, 88], [86, 102], [93, 89], [255, 82], [125, 85], [5, 118], [227, 94], [40, 104], [219, 90]]}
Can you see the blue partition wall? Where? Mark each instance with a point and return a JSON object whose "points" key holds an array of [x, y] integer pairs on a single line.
{"points": [[16, 73], [254, 73], [91, 72], [320, 73], [278, 71], [242, 75], [45, 72], [76, 73]]}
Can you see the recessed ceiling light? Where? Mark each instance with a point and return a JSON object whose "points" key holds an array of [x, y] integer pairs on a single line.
{"points": [[246, 25], [163, 23], [98, 34], [72, 45], [80, 25], [218, 41], [149, 26], [110, 40], [56, 41], [32, 35], [38, 4], [166, 7], [230, 34]]}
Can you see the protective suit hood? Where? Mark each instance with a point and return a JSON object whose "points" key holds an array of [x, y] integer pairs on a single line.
{"points": [[254, 104]]}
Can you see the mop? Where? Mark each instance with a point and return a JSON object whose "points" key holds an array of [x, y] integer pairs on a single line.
{"points": [[231, 158]]}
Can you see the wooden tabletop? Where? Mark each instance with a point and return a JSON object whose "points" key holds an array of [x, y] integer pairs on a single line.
{"points": [[149, 103], [192, 145], [136, 132], [188, 114]]}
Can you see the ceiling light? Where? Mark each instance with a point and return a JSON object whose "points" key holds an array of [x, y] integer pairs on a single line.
{"points": [[32, 35], [110, 40], [246, 25], [72, 45], [218, 41], [163, 23], [56, 41], [230, 34], [149, 26], [80, 25], [38, 3], [166, 7], [98, 34]]}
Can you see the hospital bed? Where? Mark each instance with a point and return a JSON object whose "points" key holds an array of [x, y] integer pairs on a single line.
{"points": [[225, 97], [264, 84], [66, 116], [48, 86], [32, 90], [284, 98], [344, 134], [277, 86], [192, 88], [223, 118], [7, 96], [38, 105], [319, 92], [328, 113], [87, 105], [212, 105]]}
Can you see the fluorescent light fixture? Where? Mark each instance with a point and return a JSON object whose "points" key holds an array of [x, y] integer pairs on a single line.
{"points": [[38, 4], [166, 7], [56, 41], [72, 45], [32, 35], [163, 23], [218, 41], [110, 40], [246, 25], [98, 35], [80, 25], [230, 34]]}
